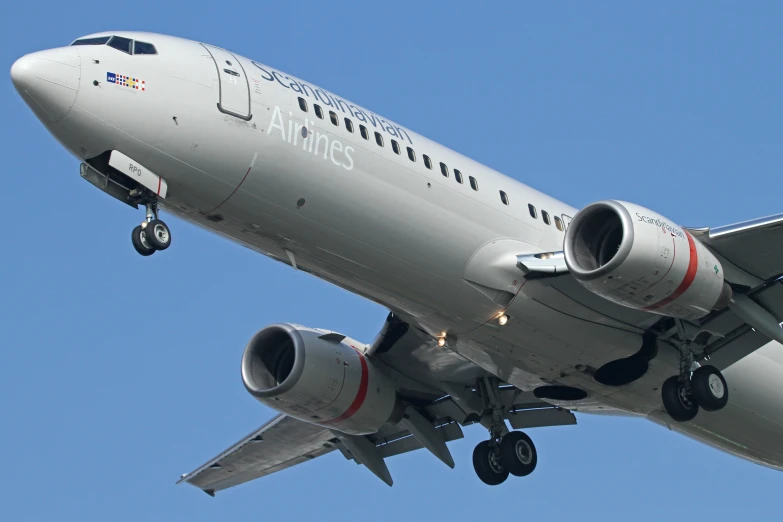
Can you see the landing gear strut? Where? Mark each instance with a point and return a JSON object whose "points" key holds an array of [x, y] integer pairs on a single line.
{"points": [[703, 386], [152, 235], [505, 452]]}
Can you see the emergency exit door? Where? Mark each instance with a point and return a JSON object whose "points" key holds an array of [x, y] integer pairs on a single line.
{"points": [[234, 96]]}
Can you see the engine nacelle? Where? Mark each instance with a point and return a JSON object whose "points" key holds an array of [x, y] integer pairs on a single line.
{"points": [[319, 377], [637, 258]]}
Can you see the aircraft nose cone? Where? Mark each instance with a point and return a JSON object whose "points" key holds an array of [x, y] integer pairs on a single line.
{"points": [[48, 81]]}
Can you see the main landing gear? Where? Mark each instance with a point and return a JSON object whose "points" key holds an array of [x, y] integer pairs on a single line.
{"points": [[505, 453], [152, 235], [701, 387], [513, 454]]}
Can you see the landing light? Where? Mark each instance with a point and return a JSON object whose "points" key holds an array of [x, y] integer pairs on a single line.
{"points": [[502, 320], [442, 342]]}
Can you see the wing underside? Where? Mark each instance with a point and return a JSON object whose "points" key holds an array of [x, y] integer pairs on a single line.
{"points": [[284, 442], [279, 444]]}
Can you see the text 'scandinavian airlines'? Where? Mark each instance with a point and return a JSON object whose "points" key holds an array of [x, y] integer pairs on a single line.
{"points": [[508, 308]]}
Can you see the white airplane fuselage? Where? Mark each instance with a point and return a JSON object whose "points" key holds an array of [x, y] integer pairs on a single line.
{"points": [[366, 217]]}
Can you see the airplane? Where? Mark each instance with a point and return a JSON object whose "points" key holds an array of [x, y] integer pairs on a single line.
{"points": [[507, 308]]}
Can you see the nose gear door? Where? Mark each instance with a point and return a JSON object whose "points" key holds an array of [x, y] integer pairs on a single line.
{"points": [[232, 82]]}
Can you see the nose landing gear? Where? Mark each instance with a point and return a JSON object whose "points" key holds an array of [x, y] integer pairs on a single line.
{"points": [[152, 235]]}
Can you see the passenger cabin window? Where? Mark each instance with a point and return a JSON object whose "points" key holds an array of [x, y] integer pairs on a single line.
{"points": [[504, 197], [532, 211], [444, 169], [303, 104], [427, 162], [98, 40], [363, 132], [349, 125], [121, 44], [334, 118], [144, 48], [473, 183], [395, 146], [559, 223], [318, 111], [545, 217], [411, 154], [379, 139], [458, 176]]}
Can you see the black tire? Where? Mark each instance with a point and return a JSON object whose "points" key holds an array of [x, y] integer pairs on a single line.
{"points": [[709, 388], [158, 234], [518, 454], [678, 405], [486, 462], [141, 242]]}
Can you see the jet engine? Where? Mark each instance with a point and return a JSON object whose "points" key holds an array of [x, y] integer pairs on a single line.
{"points": [[639, 259], [320, 377]]}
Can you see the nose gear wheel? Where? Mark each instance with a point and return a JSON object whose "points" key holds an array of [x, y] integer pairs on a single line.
{"points": [[153, 234], [141, 242], [158, 234]]}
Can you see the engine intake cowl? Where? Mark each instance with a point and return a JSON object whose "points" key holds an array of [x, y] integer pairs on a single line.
{"points": [[637, 258], [319, 377]]}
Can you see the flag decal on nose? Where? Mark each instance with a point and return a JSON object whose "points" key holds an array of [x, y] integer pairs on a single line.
{"points": [[126, 81]]}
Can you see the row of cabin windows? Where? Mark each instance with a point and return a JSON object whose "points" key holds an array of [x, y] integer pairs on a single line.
{"points": [[545, 217], [444, 169], [379, 140]]}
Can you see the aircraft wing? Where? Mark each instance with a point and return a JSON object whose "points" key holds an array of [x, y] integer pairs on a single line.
{"points": [[754, 247], [279, 444]]}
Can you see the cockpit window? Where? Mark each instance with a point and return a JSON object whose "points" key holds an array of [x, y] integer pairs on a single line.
{"points": [[143, 48], [125, 45], [98, 40], [121, 44]]}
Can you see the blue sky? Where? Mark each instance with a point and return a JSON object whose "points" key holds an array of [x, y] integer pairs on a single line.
{"points": [[118, 373]]}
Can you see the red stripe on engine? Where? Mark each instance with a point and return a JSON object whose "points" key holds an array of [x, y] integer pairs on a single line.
{"points": [[690, 275], [361, 395]]}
